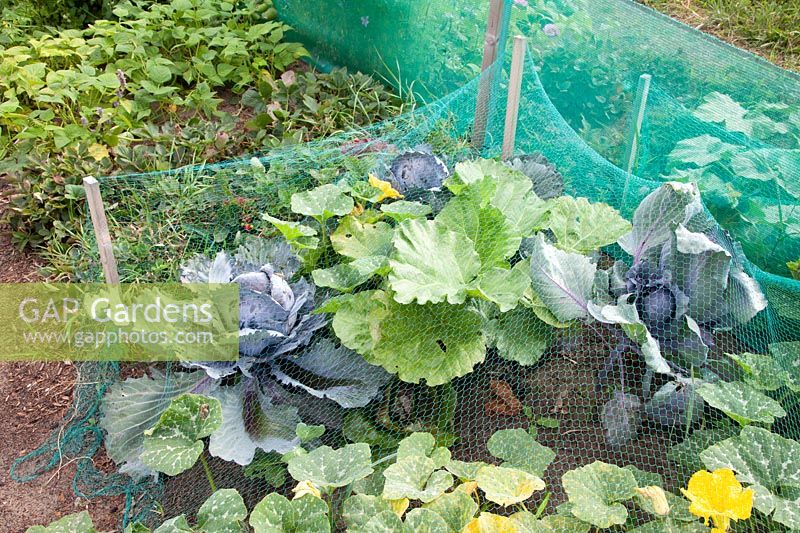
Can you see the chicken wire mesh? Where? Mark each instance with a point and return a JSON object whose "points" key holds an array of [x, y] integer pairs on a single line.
{"points": [[643, 327]]}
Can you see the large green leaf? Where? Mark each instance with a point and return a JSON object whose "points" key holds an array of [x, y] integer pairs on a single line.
{"points": [[595, 492], [73, 523], [507, 486], [357, 320], [700, 267], [223, 512], [173, 445], [581, 226], [485, 226], [322, 203], [465, 471], [687, 453], [276, 514], [769, 464], [422, 520], [770, 164], [457, 508], [658, 215], [177, 524], [384, 522], [520, 336], [358, 240], [787, 354], [134, 405], [421, 444], [360, 508], [526, 522], [473, 172], [514, 197], [644, 478], [328, 468], [721, 108], [702, 150], [344, 277], [503, 286], [270, 428], [761, 371], [741, 402], [432, 342], [562, 280], [415, 477], [298, 235], [402, 210], [431, 264], [504, 188], [518, 449]]}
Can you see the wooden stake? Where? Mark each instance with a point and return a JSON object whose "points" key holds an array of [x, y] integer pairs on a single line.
{"points": [[492, 38], [514, 88], [100, 224], [635, 130]]}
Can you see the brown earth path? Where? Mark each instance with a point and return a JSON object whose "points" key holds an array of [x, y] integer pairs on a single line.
{"points": [[34, 399]]}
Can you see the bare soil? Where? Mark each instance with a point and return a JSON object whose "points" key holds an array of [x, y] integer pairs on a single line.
{"points": [[563, 386], [34, 399]]}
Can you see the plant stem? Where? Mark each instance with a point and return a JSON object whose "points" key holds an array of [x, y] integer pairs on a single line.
{"points": [[328, 499], [384, 459], [209, 476], [543, 505], [690, 409]]}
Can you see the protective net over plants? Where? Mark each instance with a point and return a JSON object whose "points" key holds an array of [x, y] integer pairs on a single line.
{"points": [[706, 95], [434, 338]]}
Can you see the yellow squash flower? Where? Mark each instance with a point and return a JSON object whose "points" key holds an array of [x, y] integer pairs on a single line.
{"points": [[306, 487], [387, 191], [718, 496]]}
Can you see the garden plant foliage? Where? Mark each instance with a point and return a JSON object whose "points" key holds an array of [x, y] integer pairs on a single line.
{"points": [[153, 86], [432, 338]]}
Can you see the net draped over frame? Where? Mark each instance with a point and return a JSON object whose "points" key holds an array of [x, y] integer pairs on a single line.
{"points": [[715, 116]]}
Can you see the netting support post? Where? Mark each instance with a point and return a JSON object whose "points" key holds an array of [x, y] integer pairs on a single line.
{"points": [[490, 46], [100, 225], [635, 130], [514, 88]]}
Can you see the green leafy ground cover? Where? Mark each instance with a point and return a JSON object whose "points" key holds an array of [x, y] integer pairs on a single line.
{"points": [[156, 86]]}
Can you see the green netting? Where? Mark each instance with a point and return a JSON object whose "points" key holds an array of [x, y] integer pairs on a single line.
{"points": [[593, 391], [431, 47], [589, 56]]}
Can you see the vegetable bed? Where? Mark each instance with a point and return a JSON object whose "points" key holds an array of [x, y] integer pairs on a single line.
{"points": [[433, 340]]}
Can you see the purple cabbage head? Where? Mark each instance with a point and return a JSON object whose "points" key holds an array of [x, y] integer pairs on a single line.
{"points": [[274, 313]]}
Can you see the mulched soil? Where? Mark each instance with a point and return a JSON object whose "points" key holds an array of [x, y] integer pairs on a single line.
{"points": [[562, 387], [34, 399]]}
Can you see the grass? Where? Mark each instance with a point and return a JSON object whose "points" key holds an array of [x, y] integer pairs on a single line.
{"points": [[770, 28]]}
